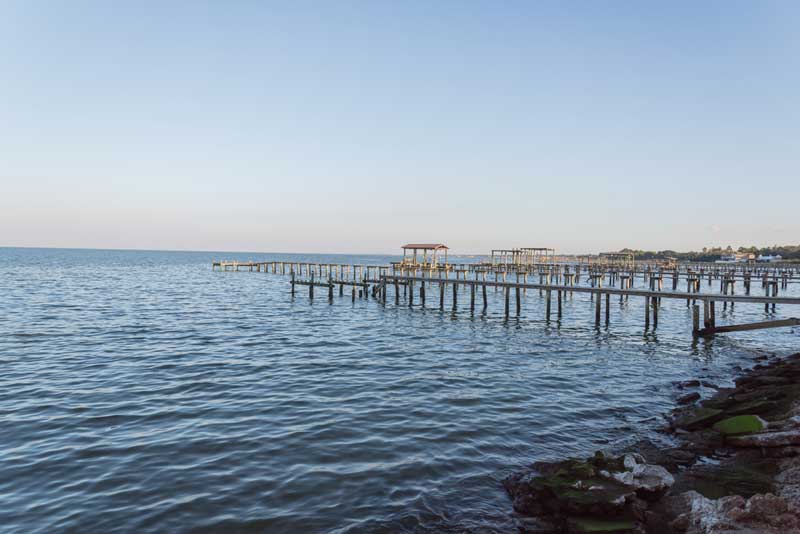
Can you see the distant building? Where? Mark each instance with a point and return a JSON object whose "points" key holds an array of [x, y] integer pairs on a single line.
{"points": [[737, 257], [767, 259]]}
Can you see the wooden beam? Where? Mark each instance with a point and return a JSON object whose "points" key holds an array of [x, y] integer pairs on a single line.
{"points": [[749, 326]]}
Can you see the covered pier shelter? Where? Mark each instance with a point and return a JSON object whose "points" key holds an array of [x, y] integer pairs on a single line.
{"points": [[429, 254]]}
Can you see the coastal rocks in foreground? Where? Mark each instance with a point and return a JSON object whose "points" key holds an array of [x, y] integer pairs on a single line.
{"points": [[601, 494], [736, 470]]}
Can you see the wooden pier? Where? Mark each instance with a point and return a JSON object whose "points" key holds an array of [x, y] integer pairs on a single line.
{"points": [[612, 276], [601, 298]]}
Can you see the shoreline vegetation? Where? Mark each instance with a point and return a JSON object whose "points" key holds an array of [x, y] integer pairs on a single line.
{"points": [[788, 253], [735, 468]]}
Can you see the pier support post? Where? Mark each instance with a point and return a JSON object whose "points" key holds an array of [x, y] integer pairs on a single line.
{"points": [[597, 303], [472, 297], [455, 294], [655, 311], [548, 298], [559, 304], [441, 296], [506, 296], [517, 299], [608, 307], [696, 319], [712, 314], [647, 313]]}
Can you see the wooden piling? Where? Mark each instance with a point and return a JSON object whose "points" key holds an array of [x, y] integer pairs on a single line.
{"points": [[655, 312], [559, 304], [472, 297], [547, 304], [597, 304]]}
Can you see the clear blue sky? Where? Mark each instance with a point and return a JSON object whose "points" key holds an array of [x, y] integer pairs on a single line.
{"points": [[356, 126]]}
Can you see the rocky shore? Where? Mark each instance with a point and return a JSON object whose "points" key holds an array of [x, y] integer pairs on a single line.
{"points": [[735, 468]]}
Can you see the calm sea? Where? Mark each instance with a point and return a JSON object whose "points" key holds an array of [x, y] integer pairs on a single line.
{"points": [[142, 392]]}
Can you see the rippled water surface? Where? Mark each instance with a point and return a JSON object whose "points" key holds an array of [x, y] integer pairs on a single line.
{"points": [[140, 391]]}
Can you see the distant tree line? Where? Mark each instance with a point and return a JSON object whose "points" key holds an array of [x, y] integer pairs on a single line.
{"points": [[788, 252]]}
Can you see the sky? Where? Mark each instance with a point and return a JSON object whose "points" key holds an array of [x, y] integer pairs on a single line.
{"points": [[340, 126]]}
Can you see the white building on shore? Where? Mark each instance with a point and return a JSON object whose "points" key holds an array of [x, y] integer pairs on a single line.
{"points": [[769, 259]]}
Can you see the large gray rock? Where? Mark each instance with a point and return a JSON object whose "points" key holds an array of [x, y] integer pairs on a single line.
{"points": [[767, 439], [643, 477], [760, 514]]}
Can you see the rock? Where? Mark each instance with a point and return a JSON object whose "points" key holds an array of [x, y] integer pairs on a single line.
{"points": [[586, 525], [534, 525], [758, 407], [672, 458], [740, 424], [680, 523], [745, 477], [648, 480], [708, 384], [764, 514], [689, 398], [766, 506], [689, 384], [699, 418], [762, 380], [568, 488], [681, 456], [767, 439], [757, 395]]}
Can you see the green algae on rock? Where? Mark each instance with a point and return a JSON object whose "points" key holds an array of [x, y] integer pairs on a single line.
{"points": [[740, 424]]}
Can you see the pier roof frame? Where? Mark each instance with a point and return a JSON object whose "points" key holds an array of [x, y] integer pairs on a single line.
{"points": [[523, 255], [424, 247]]}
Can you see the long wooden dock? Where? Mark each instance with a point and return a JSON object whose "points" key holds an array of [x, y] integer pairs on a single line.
{"points": [[554, 281]]}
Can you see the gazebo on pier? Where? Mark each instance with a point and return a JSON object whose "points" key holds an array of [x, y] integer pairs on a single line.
{"points": [[411, 258]]}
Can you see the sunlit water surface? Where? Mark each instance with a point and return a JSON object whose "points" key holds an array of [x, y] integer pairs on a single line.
{"points": [[140, 391]]}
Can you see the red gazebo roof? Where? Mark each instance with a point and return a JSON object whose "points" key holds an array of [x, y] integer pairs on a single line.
{"points": [[426, 246]]}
